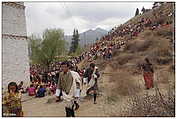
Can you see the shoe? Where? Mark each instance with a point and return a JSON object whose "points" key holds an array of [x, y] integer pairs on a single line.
{"points": [[95, 103]]}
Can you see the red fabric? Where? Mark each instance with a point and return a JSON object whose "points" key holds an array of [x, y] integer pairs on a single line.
{"points": [[148, 78], [31, 91]]}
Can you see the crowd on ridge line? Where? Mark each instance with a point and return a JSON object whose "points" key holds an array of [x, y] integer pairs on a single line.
{"points": [[115, 39]]}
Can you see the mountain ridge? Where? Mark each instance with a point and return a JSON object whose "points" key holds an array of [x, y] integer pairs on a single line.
{"points": [[87, 37]]}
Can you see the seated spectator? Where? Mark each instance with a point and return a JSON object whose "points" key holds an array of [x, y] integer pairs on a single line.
{"points": [[41, 92], [31, 90]]}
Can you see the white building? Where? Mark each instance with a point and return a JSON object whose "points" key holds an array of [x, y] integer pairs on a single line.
{"points": [[15, 60]]}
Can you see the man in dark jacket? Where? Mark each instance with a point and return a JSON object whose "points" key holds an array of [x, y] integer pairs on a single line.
{"points": [[92, 74]]}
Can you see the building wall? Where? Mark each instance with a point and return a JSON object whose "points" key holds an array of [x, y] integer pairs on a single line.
{"points": [[15, 61], [13, 19]]}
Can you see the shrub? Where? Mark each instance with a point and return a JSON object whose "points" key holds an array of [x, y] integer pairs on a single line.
{"points": [[165, 32], [138, 46], [147, 33], [125, 58], [163, 60]]}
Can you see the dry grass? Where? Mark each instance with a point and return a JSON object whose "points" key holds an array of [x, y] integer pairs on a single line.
{"points": [[137, 46], [158, 104], [160, 52], [145, 40], [166, 77], [146, 34], [171, 68], [152, 106], [120, 59], [164, 32], [124, 85], [100, 63], [163, 60], [125, 58], [152, 45]]}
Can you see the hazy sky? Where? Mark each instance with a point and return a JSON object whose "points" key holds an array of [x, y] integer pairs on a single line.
{"points": [[80, 15]]}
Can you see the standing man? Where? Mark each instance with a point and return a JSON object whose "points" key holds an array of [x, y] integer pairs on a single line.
{"points": [[66, 88], [92, 74]]}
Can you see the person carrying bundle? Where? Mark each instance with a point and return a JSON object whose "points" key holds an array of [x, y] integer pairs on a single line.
{"points": [[92, 74]]}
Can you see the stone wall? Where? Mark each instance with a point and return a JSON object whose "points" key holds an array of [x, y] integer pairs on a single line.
{"points": [[15, 60], [13, 20]]}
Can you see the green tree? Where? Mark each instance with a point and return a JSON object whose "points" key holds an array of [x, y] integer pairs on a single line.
{"points": [[78, 51], [45, 50], [75, 42], [137, 12]]}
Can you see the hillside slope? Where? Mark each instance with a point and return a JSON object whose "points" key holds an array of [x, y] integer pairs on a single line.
{"points": [[125, 80]]}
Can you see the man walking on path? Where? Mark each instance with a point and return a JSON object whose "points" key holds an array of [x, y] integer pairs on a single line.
{"points": [[67, 87]]}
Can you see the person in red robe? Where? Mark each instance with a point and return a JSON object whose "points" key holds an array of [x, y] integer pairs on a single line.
{"points": [[148, 73]]}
